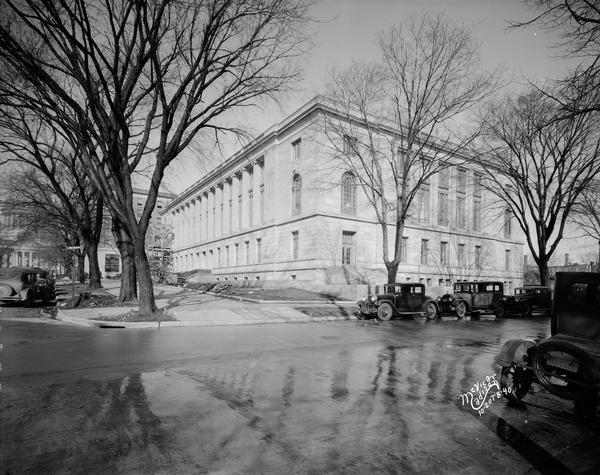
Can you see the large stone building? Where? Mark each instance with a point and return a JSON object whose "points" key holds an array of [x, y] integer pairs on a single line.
{"points": [[271, 211], [157, 237]]}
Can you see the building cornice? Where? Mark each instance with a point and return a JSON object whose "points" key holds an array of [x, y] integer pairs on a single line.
{"points": [[251, 151]]}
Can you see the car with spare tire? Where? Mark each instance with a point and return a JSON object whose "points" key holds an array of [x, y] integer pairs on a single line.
{"points": [[399, 299]]}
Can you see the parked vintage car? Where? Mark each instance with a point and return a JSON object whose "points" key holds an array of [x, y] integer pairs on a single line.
{"points": [[568, 362], [473, 298], [398, 299], [26, 284], [529, 299]]}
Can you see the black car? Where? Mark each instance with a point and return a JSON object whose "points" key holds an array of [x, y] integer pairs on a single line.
{"points": [[568, 362], [26, 284], [529, 299], [473, 298], [397, 300]]}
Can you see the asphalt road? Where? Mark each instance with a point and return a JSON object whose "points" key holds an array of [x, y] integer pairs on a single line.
{"points": [[338, 397]]}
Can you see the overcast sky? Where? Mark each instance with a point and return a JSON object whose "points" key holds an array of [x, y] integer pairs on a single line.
{"points": [[348, 29]]}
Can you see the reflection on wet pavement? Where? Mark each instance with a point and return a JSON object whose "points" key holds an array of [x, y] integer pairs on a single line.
{"points": [[347, 408]]}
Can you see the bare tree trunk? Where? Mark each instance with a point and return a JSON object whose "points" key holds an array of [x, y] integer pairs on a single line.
{"points": [[146, 290], [128, 291], [544, 271], [92, 255], [392, 270], [81, 268]]}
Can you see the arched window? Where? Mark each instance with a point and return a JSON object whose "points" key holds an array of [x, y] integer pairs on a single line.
{"points": [[296, 194], [348, 193]]}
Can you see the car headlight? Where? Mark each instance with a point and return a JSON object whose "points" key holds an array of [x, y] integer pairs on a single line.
{"points": [[372, 298]]}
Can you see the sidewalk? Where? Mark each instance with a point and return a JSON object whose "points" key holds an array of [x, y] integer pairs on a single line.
{"points": [[194, 309]]}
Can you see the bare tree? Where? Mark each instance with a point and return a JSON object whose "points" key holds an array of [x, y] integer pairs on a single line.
{"points": [[587, 211], [42, 213], [53, 182], [538, 163], [136, 82], [391, 123], [579, 24]]}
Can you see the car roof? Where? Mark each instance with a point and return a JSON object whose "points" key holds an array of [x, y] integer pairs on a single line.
{"points": [[13, 271], [479, 282]]}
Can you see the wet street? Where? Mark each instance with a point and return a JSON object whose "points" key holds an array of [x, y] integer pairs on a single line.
{"points": [[337, 397]]}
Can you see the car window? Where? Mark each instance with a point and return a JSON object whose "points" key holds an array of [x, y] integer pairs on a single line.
{"points": [[578, 294], [418, 290]]}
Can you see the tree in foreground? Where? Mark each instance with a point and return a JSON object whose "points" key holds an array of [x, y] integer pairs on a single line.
{"points": [[538, 162], [394, 121], [578, 22], [136, 82]]}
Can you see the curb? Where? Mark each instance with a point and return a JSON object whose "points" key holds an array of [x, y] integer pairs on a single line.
{"points": [[181, 323], [282, 302]]}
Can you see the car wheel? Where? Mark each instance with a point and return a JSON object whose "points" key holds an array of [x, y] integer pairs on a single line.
{"points": [[526, 309], [431, 311], [385, 311], [566, 383], [515, 382], [461, 309], [499, 309]]}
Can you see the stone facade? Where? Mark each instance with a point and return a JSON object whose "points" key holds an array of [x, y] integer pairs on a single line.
{"points": [[274, 211]]}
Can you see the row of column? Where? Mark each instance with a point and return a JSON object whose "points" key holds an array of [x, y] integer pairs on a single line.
{"points": [[223, 208]]}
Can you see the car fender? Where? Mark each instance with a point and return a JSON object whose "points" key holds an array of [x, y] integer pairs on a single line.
{"points": [[516, 352], [24, 293]]}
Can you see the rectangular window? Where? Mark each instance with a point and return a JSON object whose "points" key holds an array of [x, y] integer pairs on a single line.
{"points": [[461, 180], [247, 251], [424, 251], [461, 254], [295, 245], [477, 214], [443, 208], [296, 149], [250, 207], [227, 256], [19, 258], [403, 250], [214, 222], [347, 247], [424, 205], [477, 184], [26, 254], [237, 254], [111, 263], [507, 223], [240, 211], [444, 253], [478, 257], [444, 178], [258, 251], [262, 203], [507, 259], [350, 145], [222, 219], [230, 217], [218, 257], [461, 211]]}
